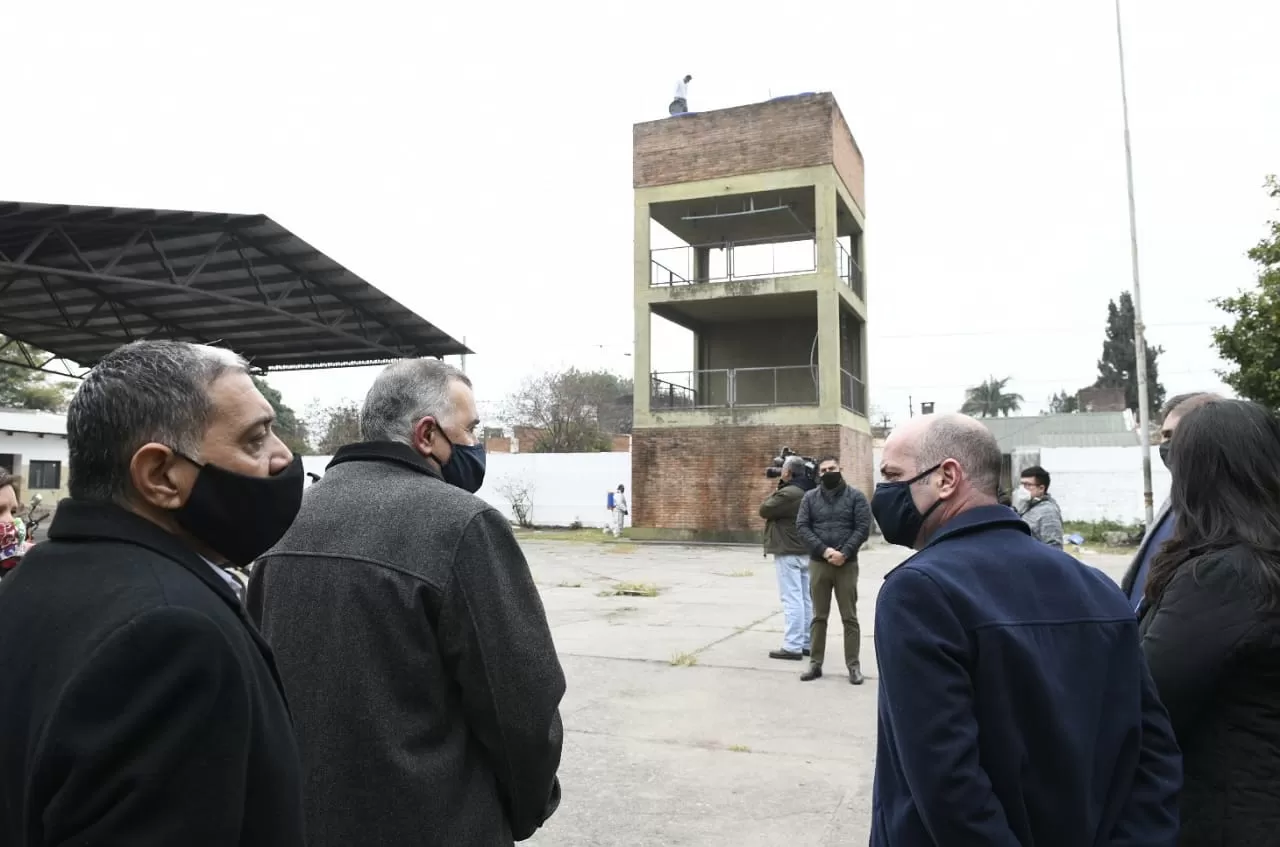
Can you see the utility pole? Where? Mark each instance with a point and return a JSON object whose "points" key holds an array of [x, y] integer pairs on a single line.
{"points": [[1139, 339], [911, 406], [464, 355]]}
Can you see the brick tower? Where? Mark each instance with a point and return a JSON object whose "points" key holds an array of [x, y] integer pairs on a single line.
{"points": [[763, 206]]}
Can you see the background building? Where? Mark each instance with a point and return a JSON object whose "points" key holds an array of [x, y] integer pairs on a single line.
{"points": [[766, 202]]}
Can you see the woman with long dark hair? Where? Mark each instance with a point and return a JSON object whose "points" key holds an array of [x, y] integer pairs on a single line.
{"points": [[1211, 623]]}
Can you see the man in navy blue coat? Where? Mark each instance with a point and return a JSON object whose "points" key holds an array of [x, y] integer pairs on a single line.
{"points": [[1015, 705]]}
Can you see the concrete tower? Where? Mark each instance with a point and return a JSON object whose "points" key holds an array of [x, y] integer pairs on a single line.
{"points": [[762, 259]]}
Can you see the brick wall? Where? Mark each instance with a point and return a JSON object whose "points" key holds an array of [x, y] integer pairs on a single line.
{"points": [[847, 159], [710, 480], [497, 445], [792, 132]]}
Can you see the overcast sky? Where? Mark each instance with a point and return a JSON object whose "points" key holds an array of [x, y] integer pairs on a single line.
{"points": [[474, 160]]}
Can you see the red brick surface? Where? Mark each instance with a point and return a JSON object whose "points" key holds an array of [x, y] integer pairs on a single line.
{"points": [[711, 479], [783, 134]]}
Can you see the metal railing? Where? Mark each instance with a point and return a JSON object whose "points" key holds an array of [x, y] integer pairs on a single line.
{"points": [[849, 270], [729, 260], [853, 393], [720, 388]]}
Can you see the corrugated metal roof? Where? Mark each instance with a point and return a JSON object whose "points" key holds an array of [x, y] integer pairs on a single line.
{"points": [[1087, 429], [79, 281], [25, 420]]}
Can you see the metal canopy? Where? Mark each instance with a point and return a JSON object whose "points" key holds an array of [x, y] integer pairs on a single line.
{"points": [[79, 281]]}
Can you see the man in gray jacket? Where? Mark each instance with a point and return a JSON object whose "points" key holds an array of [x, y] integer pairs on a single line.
{"points": [[834, 522], [411, 640]]}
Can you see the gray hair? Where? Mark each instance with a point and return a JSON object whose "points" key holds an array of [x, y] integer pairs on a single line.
{"points": [[404, 393], [968, 442], [794, 464], [1200, 398], [144, 392]]}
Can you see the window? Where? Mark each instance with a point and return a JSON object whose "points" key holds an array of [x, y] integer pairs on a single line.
{"points": [[47, 475]]}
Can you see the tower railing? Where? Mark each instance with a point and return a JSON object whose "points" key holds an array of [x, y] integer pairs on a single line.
{"points": [[853, 393], [729, 260], [849, 270], [720, 388]]}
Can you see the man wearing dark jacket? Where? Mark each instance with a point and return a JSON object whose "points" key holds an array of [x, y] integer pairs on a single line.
{"points": [[790, 556], [138, 704], [411, 638], [834, 522], [1015, 705]]}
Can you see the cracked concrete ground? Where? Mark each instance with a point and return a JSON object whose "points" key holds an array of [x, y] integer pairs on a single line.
{"points": [[679, 729]]}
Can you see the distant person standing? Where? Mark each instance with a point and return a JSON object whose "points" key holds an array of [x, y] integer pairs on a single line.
{"points": [[619, 511], [680, 105], [834, 522], [1040, 510]]}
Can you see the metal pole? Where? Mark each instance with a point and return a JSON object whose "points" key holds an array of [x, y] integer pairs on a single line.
{"points": [[1139, 340], [464, 355]]}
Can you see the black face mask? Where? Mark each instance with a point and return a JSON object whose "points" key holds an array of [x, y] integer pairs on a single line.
{"points": [[896, 512], [238, 516], [1164, 452], [465, 468], [831, 480]]}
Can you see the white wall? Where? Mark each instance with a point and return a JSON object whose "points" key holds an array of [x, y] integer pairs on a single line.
{"points": [[1102, 483], [1097, 483], [564, 487]]}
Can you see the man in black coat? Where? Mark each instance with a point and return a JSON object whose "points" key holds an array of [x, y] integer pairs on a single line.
{"points": [[411, 637], [139, 706], [834, 522]]}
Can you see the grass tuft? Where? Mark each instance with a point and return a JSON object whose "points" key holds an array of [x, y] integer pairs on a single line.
{"points": [[684, 660]]}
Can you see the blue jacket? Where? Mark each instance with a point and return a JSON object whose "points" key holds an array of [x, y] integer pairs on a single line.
{"points": [[1015, 704]]}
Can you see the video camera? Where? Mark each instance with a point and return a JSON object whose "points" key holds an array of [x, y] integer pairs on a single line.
{"points": [[806, 481]]}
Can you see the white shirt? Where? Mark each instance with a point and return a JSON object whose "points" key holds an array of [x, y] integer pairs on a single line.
{"points": [[237, 587], [682, 90]]}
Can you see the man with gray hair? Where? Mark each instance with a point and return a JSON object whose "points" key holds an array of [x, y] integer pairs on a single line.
{"points": [[1015, 705], [412, 640], [791, 560], [1134, 582], [141, 706]]}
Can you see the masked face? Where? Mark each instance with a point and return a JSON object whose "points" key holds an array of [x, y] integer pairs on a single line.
{"points": [[1165, 446], [238, 491], [454, 445], [238, 516], [895, 509]]}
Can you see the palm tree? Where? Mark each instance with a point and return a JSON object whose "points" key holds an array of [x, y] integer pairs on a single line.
{"points": [[989, 399]]}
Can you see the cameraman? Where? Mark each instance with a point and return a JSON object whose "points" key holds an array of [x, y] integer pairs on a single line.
{"points": [[790, 556], [834, 522]]}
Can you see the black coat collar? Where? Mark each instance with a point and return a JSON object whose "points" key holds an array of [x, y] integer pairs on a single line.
{"points": [[83, 520], [385, 451]]}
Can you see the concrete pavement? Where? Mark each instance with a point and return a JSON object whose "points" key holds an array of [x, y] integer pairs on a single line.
{"points": [[679, 729]]}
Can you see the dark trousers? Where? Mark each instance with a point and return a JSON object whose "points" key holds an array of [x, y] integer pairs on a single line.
{"points": [[678, 106], [825, 578]]}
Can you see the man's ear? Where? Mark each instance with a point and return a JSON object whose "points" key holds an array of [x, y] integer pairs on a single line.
{"points": [[951, 473], [422, 431], [156, 477]]}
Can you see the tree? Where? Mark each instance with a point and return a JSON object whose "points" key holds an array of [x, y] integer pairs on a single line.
{"points": [[1252, 342], [1118, 367], [1062, 403], [292, 431], [23, 388], [333, 426], [881, 423], [575, 411], [989, 400]]}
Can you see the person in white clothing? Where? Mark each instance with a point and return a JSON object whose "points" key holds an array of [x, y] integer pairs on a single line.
{"points": [[619, 511], [680, 104]]}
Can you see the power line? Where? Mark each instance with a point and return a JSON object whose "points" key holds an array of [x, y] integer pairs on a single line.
{"points": [[1037, 332], [1059, 381]]}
